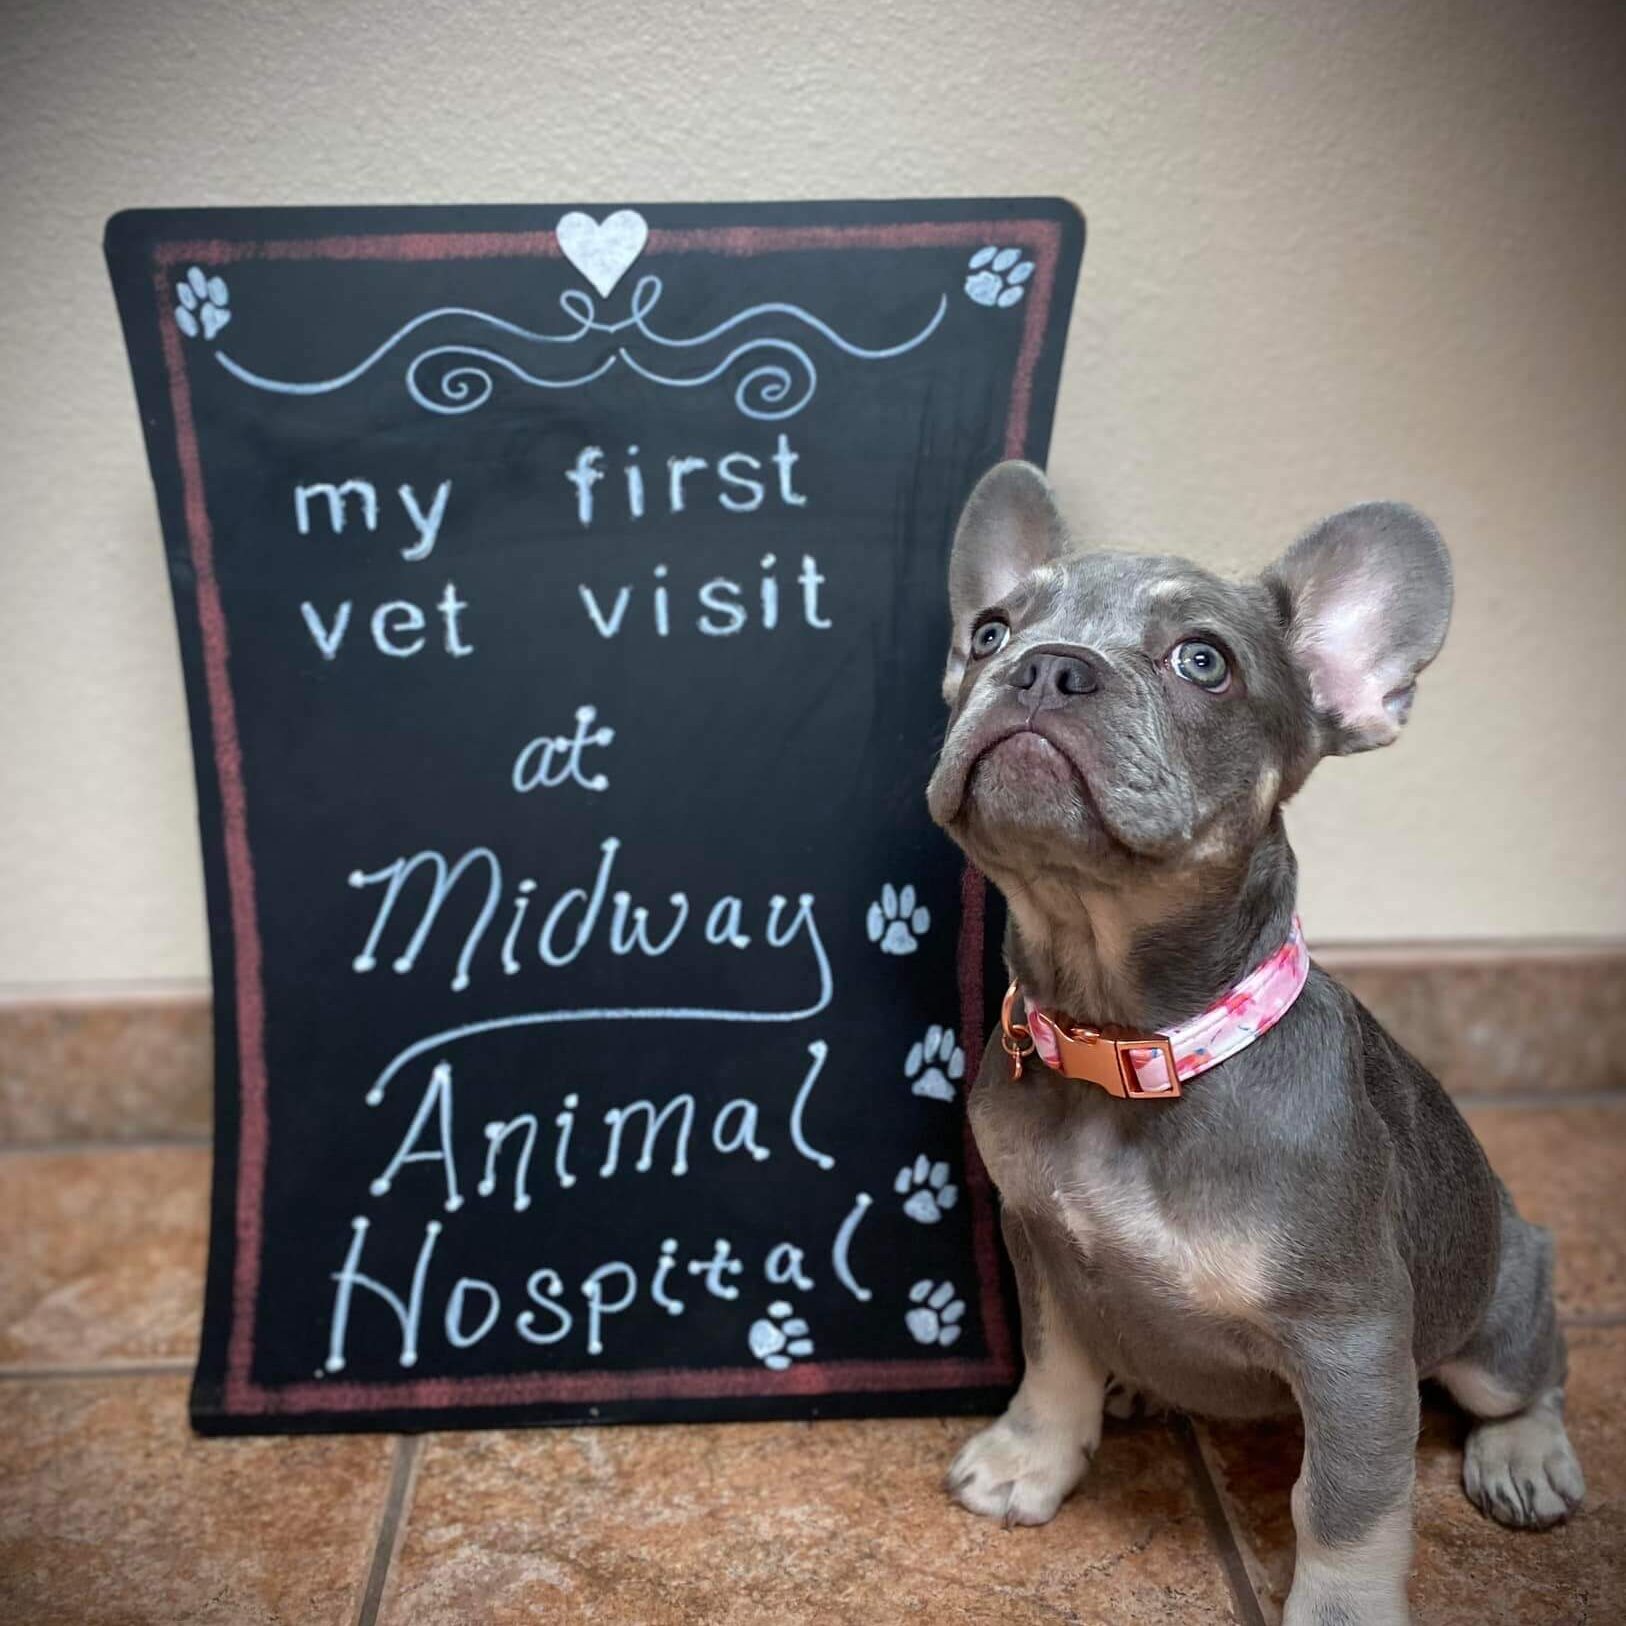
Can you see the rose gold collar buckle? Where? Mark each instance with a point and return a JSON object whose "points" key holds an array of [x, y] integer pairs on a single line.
{"points": [[1100, 1056], [1107, 1057]]}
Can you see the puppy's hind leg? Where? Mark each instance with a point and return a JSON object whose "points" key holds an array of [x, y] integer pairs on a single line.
{"points": [[1020, 1469], [1519, 1466]]}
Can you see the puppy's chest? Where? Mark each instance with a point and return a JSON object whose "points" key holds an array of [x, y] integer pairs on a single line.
{"points": [[1107, 1194]]}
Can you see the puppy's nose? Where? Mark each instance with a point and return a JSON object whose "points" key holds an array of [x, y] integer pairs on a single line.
{"points": [[1050, 675]]}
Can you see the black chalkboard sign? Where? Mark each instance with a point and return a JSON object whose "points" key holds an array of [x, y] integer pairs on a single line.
{"points": [[561, 600]]}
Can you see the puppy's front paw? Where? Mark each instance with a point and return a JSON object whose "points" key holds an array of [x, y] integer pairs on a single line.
{"points": [[1016, 1475]]}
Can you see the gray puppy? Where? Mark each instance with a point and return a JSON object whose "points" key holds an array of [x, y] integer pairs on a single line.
{"points": [[1311, 1222]]}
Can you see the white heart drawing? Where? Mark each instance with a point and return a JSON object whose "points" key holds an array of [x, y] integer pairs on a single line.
{"points": [[602, 250]]}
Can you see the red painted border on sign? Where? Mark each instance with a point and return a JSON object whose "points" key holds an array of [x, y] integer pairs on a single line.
{"points": [[243, 1396]]}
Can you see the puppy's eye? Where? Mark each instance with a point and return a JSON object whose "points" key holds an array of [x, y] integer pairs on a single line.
{"points": [[1199, 662], [988, 639]]}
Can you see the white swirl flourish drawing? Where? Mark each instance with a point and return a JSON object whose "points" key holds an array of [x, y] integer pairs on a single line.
{"points": [[780, 377]]}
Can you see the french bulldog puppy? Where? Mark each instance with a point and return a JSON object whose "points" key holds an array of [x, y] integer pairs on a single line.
{"points": [[1311, 1221]]}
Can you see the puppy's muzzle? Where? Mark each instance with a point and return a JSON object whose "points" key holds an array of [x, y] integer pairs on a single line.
{"points": [[1053, 676]]}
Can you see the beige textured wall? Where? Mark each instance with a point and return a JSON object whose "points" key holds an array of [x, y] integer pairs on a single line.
{"points": [[1336, 251]]}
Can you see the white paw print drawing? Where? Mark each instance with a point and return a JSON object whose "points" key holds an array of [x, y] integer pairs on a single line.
{"points": [[998, 276], [897, 922], [201, 304], [780, 1337], [934, 1064], [926, 1190], [935, 1318]]}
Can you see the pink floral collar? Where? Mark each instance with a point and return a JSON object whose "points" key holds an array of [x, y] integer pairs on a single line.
{"points": [[1136, 1066]]}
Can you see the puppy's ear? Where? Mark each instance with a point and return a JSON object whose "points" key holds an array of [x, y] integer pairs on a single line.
{"points": [[1009, 528], [1367, 597]]}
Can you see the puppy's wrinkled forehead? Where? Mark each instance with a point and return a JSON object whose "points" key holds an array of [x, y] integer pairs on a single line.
{"points": [[1118, 602]]}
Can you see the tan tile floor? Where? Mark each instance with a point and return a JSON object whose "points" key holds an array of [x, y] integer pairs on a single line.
{"points": [[1466, 1570], [112, 1512]]}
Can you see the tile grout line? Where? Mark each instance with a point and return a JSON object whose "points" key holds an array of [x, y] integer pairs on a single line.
{"points": [[1220, 1534], [185, 1142], [1556, 1098], [392, 1522], [165, 1367]]}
